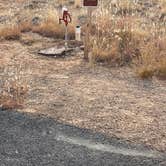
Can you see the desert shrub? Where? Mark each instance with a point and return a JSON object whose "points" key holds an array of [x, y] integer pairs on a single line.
{"points": [[10, 32], [50, 27], [152, 61], [128, 39], [112, 42], [25, 26], [13, 32], [13, 89]]}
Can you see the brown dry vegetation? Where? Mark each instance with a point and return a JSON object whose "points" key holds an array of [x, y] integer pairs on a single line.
{"points": [[153, 61], [13, 90], [13, 95], [10, 33], [122, 40], [13, 32], [49, 27]]}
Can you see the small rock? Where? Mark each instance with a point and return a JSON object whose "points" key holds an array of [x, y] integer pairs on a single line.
{"points": [[3, 18], [54, 51], [36, 21]]}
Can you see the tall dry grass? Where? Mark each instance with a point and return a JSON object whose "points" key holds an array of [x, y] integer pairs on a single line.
{"points": [[10, 32], [48, 27], [122, 36], [13, 88]]}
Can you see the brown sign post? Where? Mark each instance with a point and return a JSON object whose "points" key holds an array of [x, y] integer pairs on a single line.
{"points": [[90, 4]]}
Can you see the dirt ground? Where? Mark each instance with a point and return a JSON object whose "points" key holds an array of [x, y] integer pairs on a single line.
{"points": [[112, 101]]}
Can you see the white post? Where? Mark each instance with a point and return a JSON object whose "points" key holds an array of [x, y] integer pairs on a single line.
{"points": [[78, 33]]}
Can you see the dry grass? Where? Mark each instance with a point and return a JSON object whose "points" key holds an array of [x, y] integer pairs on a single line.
{"points": [[148, 71], [10, 33], [13, 32], [153, 61], [13, 95], [114, 43], [13, 89], [123, 40], [50, 27], [25, 26], [161, 69]]}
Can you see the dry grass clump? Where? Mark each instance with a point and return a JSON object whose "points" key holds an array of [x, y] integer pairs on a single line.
{"points": [[153, 61], [103, 50], [13, 90], [13, 95], [10, 33], [128, 39], [25, 26], [114, 43], [121, 49], [13, 32], [126, 7], [161, 69], [50, 27], [148, 70]]}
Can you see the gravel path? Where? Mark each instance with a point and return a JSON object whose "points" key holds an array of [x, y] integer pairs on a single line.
{"points": [[30, 140], [111, 101]]}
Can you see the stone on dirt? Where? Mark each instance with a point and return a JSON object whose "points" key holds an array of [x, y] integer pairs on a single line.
{"points": [[55, 51]]}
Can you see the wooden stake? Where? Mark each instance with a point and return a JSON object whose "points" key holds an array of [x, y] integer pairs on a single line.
{"points": [[87, 35], [66, 38]]}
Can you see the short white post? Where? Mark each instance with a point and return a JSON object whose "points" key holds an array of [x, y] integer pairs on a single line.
{"points": [[78, 33]]}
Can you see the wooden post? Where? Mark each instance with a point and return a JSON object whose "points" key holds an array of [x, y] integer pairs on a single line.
{"points": [[89, 4], [66, 38], [87, 35]]}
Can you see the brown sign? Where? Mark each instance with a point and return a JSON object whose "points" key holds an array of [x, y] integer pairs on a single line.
{"points": [[90, 2]]}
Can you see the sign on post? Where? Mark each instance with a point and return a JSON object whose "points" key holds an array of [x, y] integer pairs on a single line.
{"points": [[89, 4]]}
